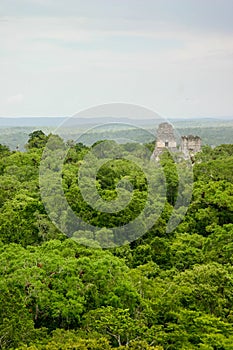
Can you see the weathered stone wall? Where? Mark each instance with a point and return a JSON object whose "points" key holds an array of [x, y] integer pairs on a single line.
{"points": [[166, 140], [165, 136], [190, 144]]}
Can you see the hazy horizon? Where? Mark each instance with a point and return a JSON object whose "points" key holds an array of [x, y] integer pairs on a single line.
{"points": [[174, 57]]}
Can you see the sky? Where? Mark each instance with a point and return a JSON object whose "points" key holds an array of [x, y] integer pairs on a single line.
{"points": [[172, 56]]}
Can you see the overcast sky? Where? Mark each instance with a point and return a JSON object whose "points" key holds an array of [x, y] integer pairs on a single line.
{"points": [[173, 56]]}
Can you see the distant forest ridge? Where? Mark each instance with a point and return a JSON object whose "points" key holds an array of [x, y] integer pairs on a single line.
{"points": [[14, 131], [56, 121]]}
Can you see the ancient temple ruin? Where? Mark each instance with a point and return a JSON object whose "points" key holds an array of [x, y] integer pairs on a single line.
{"points": [[190, 145], [166, 139]]}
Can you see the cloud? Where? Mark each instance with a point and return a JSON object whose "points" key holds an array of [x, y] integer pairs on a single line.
{"points": [[43, 36], [57, 61], [15, 99]]}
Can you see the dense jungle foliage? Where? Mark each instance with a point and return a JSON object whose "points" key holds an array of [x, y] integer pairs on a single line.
{"points": [[163, 291]]}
